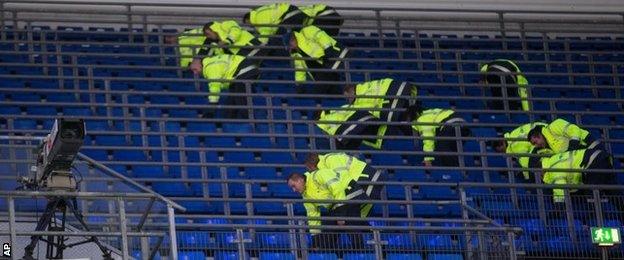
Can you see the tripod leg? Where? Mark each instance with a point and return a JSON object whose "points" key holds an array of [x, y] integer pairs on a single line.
{"points": [[42, 224], [74, 210]]}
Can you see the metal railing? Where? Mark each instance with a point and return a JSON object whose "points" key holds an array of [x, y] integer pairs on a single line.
{"points": [[486, 216]]}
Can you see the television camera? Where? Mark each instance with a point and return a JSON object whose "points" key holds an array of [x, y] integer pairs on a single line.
{"points": [[55, 157]]}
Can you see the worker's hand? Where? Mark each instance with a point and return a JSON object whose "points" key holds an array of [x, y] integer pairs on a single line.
{"points": [[427, 163], [196, 66], [170, 39], [341, 222]]}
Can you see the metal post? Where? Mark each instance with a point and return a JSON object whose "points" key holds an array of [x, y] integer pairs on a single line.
{"points": [[226, 191], [377, 243], [172, 232], [592, 71], [12, 223], [503, 30], [44, 57], [303, 238], [59, 65], [2, 25], [109, 100], [568, 60], [204, 174], [248, 197], [512, 246], [15, 30], [460, 69], [91, 87], [145, 248], [436, 55], [145, 34], [270, 117], [161, 50], [290, 131], [123, 228], [523, 41], [540, 197], [75, 74], [397, 25], [379, 31], [616, 83], [599, 218], [292, 234], [129, 23], [484, 161], [249, 105], [460, 149], [512, 179], [504, 87], [464, 202], [29, 40], [240, 240], [417, 49], [546, 52], [569, 216]]}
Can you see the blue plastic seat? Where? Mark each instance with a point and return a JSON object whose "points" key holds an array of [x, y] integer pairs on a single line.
{"points": [[276, 256], [24, 124], [358, 256], [238, 157], [237, 128], [191, 255], [396, 256], [445, 257], [226, 255], [278, 158], [171, 188], [148, 171], [76, 111], [324, 256], [261, 173]]}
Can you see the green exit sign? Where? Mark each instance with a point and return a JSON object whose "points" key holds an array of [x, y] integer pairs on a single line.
{"points": [[605, 236]]}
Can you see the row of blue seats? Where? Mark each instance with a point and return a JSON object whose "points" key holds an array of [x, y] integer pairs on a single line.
{"points": [[360, 39], [425, 53], [233, 255]]}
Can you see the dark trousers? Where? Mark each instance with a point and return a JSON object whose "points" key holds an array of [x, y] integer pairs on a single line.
{"points": [[601, 162], [324, 79], [330, 239], [354, 131], [329, 23], [239, 87], [448, 145], [496, 84]]}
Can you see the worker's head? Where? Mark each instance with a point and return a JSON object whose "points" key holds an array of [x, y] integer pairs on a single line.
{"points": [[498, 145], [292, 43], [296, 182], [349, 92], [171, 39], [196, 66], [536, 138], [247, 18], [311, 162], [209, 33], [317, 114]]}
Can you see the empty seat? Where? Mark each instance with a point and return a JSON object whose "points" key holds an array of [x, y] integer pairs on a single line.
{"points": [[358, 256], [191, 255], [396, 256], [444, 257]]}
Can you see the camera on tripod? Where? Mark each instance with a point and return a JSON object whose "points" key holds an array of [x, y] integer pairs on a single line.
{"points": [[55, 156]]}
